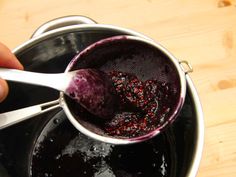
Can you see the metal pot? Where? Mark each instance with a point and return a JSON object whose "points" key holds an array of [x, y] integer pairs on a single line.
{"points": [[59, 40]]}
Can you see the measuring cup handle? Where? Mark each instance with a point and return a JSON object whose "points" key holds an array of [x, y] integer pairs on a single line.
{"points": [[62, 22], [12, 117]]}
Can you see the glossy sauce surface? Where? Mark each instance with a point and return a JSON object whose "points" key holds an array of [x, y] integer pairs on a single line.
{"points": [[143, 105], [66, 152]]}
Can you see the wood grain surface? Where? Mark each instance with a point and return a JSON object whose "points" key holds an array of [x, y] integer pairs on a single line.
{"points": [[200, 31]]}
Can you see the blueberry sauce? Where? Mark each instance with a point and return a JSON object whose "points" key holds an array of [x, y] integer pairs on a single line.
{"points": [[66, 152], [143, 105]]}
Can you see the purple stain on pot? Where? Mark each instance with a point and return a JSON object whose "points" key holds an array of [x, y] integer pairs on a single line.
{"points": [[93, 90], [146, 83]]}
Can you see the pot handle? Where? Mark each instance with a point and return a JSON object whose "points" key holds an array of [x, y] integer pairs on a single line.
{"points": [[186, 66], [12, 117], [62, 22]]}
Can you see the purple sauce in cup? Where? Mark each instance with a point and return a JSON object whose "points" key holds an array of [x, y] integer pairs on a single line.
{"points": [[157, 94]]}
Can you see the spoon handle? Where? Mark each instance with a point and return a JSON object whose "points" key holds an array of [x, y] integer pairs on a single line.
{"points": [[57, 81], [12, 117]]}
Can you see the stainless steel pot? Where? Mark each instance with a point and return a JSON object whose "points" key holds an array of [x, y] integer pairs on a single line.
{"points": [[67, 36]]}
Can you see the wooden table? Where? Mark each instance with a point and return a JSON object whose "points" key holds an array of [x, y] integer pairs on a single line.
{"points": [[201, 31]]}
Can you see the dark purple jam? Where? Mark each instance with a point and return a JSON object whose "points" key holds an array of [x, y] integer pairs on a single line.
{"points": [[143, 105], [64, 152]]}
